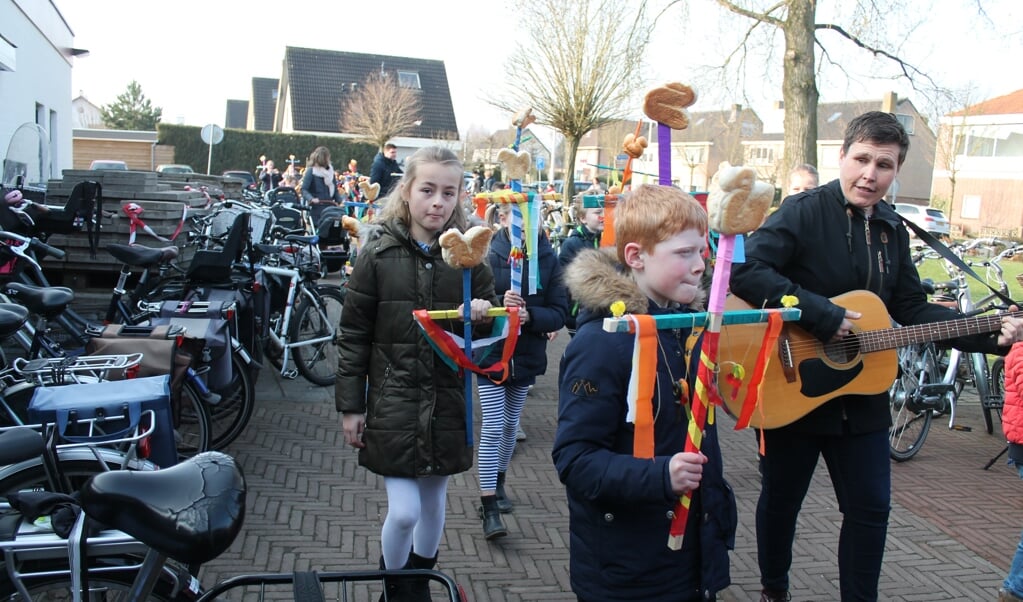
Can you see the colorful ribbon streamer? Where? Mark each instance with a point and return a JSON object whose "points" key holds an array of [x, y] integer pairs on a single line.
{"points": [[641, 385]]}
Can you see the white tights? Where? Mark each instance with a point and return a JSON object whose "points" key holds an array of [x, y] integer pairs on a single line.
{"points": [[415, 518]]}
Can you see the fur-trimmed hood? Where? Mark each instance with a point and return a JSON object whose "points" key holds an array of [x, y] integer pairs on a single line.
{"points": [[595, 280]]}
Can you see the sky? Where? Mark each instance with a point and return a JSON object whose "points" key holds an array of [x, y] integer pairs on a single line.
{"points": [[190, 56]]}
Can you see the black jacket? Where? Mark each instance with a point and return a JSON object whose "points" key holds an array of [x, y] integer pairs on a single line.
{"points": [[547, 308], [414, 402], [815, 247], [385, 172]]}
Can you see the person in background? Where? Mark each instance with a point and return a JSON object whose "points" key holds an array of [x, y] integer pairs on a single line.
{"points": [[488, 180], [403, 408], [385, 170], [621, 506], [802, 178], [269, 177], [1012, 424], [819, 244], [501, 404], [319, 190], [584, 236], [290, 176]]}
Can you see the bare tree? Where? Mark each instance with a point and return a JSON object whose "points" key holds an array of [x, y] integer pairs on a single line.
{"points": [[381, 109], [796, 21], [951, 143], [576, 64]]}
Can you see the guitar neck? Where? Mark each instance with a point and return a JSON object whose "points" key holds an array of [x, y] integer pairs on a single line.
{"points": [[890, 338]]}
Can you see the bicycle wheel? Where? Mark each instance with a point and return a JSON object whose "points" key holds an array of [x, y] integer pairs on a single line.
{"points": [[318, 316], [78, 465], [230, 416], [982, 380], [996, 393], [911, 419], [192, 424]]}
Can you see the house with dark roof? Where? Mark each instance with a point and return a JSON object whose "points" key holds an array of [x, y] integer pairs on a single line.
{"points": [[263, 104], [696, 152], [978, 170], [314, 85], [237, 114], [765, 152]]}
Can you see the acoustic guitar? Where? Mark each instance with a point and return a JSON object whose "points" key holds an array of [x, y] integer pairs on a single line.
{"points": [[804, 373]]}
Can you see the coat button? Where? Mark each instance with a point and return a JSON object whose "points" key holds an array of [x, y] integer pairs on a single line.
{"points": [[671, 515], [608, 517], [428, 469], [706, 517], [429, 266]]}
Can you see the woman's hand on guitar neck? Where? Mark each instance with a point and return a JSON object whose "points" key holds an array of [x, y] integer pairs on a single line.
{"points": [[1012, 328], [845, 329]]}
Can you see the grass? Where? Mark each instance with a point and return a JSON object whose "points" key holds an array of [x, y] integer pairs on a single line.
{"points": [[934, 270]]}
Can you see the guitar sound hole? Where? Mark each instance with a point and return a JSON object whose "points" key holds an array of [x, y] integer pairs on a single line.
{"points": [[844, 351]]}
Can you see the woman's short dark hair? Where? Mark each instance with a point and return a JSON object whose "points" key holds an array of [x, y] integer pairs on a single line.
{"points": [[877, 127]]}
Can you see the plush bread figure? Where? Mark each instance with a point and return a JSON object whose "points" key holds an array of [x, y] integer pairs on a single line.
{"points": [[465, 250], [634, 145], [523, 118], [667, 104], [737, 202], [369, 191], [516, 164]]}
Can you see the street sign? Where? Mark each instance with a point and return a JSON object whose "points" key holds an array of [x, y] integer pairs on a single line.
{"points": [[540, 163], [211, 134]]}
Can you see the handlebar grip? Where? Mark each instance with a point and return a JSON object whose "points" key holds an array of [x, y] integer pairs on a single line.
{"points": [[46, 249]]}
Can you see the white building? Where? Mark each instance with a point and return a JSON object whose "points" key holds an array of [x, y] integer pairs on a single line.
{"points": [[35, 78]]}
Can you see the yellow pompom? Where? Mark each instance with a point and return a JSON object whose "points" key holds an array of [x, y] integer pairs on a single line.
{"points": [[618, 309], [739, 372], [789, 301]]}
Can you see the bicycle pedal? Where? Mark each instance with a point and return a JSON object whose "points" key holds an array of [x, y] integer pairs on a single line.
{"points": [[961, 428], [290, 374]]}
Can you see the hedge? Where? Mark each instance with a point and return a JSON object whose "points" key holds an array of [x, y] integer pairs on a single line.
{"points": [[241, 149]]}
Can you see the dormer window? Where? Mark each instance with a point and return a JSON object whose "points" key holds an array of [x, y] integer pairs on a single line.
{"points": [[409, 79]]}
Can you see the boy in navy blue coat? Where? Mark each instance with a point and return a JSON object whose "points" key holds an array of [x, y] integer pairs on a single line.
{"points": [[620, 506]]}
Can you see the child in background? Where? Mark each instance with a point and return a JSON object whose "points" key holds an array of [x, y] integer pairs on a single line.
{"points": [[501, 404], [403, 407], [620, 506], [584, 236]]}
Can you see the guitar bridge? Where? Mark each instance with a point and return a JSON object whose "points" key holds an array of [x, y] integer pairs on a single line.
{"points": [[788, 362]]}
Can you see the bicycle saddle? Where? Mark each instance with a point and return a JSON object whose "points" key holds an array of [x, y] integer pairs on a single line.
{"points": [[190, 512], [46, 301], [140, 256], [12, 317]]}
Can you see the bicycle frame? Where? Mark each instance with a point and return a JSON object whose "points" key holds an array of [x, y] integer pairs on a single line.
{"points": [[279, 334]]}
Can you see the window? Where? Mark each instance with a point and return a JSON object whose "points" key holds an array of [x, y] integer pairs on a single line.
{"points": [[409, 79], [907, 122], [761, 155]]}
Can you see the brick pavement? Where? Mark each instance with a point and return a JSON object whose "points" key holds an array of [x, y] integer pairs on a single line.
{"points": [[953, 528]]}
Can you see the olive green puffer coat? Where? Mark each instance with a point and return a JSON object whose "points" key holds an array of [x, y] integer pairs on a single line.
{"points": [[414, 402]]}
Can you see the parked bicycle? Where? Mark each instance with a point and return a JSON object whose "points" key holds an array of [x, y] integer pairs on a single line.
{"points": [[932, 377]]}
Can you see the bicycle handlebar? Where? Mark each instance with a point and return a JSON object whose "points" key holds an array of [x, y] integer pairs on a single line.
{"points": [[34, 244]]}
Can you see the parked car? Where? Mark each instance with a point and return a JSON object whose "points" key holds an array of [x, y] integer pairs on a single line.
{"points": [[245, 176], [174, 168], [930, 219], [559, 186], [109, 164]]}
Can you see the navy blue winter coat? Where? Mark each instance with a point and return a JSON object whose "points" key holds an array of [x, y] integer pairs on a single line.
{"points": [[547, 308], [620, 507]]}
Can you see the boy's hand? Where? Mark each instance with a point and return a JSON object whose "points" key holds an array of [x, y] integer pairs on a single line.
{"points": [[686, 471]]}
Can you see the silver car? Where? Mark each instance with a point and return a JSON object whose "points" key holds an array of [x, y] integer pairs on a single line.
{"points": [[930, 219]]}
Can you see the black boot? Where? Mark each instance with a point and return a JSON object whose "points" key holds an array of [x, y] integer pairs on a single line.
{"points": [[396, 590], [503, 503], [493, 526], [419, 588]]}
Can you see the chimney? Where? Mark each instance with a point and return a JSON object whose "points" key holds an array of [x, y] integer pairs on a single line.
{"points": [[888, 102], [779, 105], [734, 115]]}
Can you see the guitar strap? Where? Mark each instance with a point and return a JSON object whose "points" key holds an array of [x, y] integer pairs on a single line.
{"points": [[954, 259]]}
